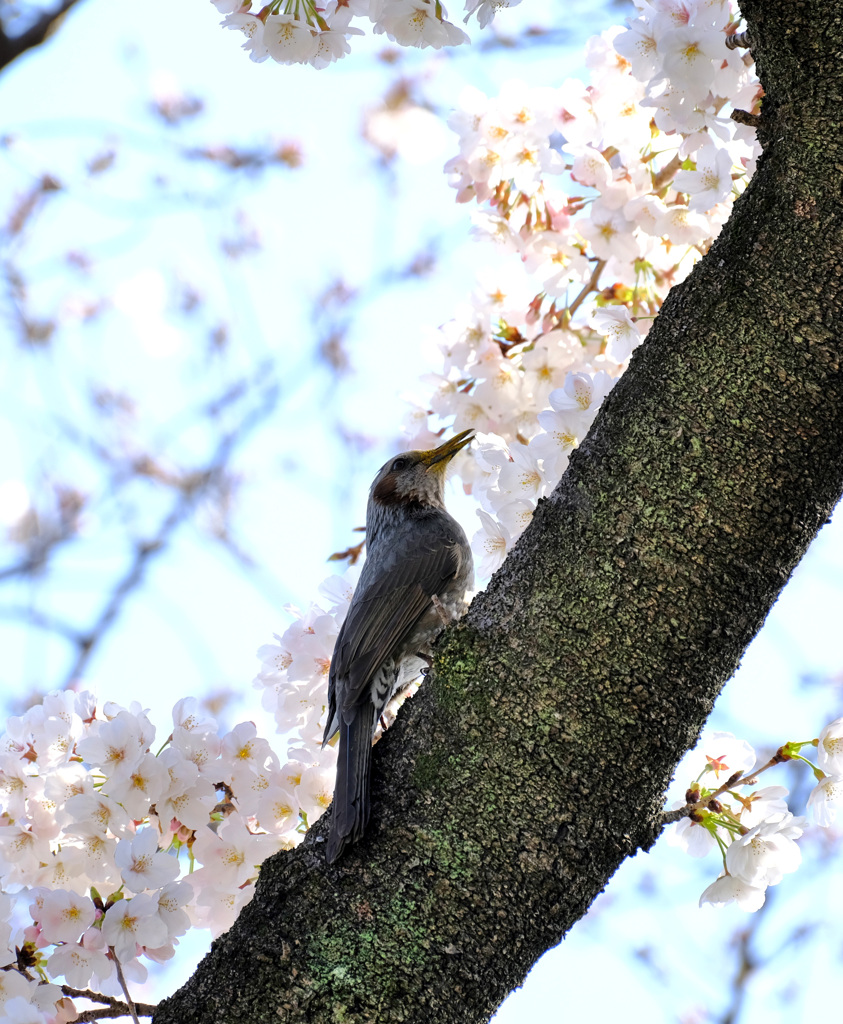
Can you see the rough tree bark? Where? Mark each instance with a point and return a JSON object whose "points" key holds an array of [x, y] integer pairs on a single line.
{"points": [[535, 758]]}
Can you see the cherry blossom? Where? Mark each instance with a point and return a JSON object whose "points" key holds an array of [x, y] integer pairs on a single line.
{"points": [[721, 755], [81, 838], [278, 809], [688, 55], [77, 964], [288, 40], [485, 10], [615, 324], [19, 1010], [145, 783], [415, 23], [117, 745], [13, 986], [691, 836], [490, 544], [131, 923], [830, 747], [172, 898], [730, 889], [761, 804], [767, 852], [142, 865], [710, 183], [316, 790], [63, 915], [825, 799], [232, 854]]}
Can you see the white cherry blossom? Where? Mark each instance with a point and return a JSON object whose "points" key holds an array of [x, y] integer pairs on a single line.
{"points": [[142, 864], [825, 799], [691, 836], [830, 748], [638, 44], [490, 544], [63, 915], [717, 757], [134, 922], [417, 23], [172, 898], [78, 964], [288, 40], [760, 804], [116, 746], [20, 1010], [730, 889], [767, 852], [710, 183], [140, 787], [485, 10], [615, 324], [688, 55]]}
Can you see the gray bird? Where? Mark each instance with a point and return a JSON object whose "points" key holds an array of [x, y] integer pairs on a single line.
{"points": [[418, 568]]}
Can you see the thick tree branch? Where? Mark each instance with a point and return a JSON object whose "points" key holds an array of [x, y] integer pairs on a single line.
{"points": [[43, 27], [535, 757]]}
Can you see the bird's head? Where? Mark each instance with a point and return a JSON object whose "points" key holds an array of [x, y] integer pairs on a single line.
{"points": [[416, 479]]}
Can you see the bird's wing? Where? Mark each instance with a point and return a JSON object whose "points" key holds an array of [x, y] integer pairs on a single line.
{"points": [[382, 616]]}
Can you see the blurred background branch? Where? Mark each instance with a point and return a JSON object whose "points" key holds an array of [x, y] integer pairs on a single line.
{"points": [[24, 26]]}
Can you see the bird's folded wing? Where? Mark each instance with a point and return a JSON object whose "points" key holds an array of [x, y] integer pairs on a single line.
{"points": [[383, 616]]}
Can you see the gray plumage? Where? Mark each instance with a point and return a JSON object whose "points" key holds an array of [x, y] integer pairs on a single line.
{"points": [[417, 556]]}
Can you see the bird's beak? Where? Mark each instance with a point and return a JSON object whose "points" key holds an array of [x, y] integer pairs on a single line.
{"points": [[441, 456]]}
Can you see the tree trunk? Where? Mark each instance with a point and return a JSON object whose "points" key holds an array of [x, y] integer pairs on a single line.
{"points": [[535, 757]]}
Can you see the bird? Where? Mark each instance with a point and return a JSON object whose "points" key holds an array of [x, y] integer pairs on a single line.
{"points": [[418, 568]]}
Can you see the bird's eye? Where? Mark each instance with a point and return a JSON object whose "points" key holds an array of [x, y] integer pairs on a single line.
{"points": [[399, 464]]}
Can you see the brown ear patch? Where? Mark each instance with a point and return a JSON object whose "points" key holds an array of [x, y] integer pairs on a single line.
{"points": [[385, 492]]}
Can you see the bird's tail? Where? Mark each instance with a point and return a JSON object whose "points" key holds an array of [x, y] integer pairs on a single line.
{"points": [[351, 792]]}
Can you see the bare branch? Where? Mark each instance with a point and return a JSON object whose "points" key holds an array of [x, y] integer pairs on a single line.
{"points": [[146, 550], [112, 1008], [12, 47]]}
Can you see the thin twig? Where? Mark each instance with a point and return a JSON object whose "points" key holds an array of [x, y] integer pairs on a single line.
{"points": [[739, 779], [124, 986], [146, 550], [590, 287], [666, 173]]}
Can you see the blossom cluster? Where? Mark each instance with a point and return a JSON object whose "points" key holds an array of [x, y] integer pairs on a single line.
{"points": [[602, 196], [754, 830], [110, 851], [301, 32]]}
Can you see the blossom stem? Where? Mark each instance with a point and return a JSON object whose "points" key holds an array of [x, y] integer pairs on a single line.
{"points": [[722, 846], [668, 817], [799, 757], [589, 287], [121, 978]]}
